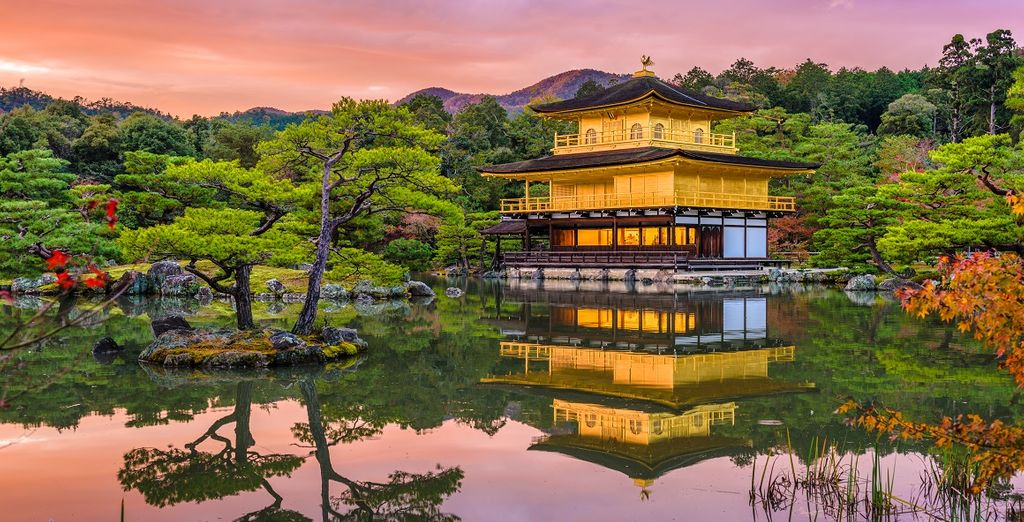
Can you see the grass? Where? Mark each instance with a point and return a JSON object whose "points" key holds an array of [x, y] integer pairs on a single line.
{"points": [[294, 280], [831, 487]]}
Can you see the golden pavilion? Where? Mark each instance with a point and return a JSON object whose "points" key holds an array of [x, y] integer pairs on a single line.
{"points": [[644, 183]]}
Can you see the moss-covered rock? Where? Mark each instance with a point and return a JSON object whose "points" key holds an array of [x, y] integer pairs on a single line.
{"points": [[208, 348]]}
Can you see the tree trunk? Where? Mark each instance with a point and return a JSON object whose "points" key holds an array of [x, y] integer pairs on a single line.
{"points": [[876, 256], [992, 109], [320, 445], [307, 317], [243, 433], [242, 295]]}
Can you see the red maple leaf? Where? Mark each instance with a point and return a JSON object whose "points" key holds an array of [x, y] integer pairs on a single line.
{"points": [[111, 213], [65, 280], [57, 259], [99, 279]]}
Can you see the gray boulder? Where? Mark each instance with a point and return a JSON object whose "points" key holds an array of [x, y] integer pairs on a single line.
{"points": [[453, 292], [333, 336], [180, 285], [204, 295], [167, 324], [160, 271], [32, 285], [276, 287], [284, 340], [333, 292], [419, 289], [455, 271], [862, 283], [106, 345], [365, 287], [132, 282], [893, 284]]}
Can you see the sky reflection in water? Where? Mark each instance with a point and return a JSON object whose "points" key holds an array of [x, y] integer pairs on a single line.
{"points": [[515, 402]]}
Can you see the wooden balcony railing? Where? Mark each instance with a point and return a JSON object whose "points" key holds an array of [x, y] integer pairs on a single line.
{"points": [[648, 200], [599, 258], [644, 137]]}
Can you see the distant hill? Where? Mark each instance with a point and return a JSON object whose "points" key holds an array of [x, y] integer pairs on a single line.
{"points": [[14, 97], [562, 86], [270, 116]]}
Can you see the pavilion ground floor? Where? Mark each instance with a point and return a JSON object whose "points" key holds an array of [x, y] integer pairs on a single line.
{"points": [[667, 238]]}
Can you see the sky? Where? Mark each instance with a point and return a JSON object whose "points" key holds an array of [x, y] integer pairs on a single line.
{"points": [[208, 56]]}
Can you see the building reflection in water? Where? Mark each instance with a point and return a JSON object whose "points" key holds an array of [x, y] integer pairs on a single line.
{"points": [[639, 383]]}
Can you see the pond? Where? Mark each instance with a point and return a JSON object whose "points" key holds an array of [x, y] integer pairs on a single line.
{"points": [[515, 401]]}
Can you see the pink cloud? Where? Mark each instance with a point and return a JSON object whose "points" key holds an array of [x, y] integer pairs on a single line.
{"points": [[204, 57]]}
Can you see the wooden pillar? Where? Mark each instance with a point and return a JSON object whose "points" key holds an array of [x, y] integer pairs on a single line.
{"points": [[527, 195], [526, 239], [615, 233]]}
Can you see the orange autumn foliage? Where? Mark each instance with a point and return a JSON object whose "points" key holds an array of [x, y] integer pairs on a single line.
{"points": [[984, 294], [996, 448]]}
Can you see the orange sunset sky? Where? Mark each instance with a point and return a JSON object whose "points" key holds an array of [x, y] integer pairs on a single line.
{"points": [[209, 56]]}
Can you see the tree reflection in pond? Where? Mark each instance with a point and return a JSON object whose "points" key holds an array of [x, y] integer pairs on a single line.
{"points": [[167, 477], [189, 474], [406, 496]]}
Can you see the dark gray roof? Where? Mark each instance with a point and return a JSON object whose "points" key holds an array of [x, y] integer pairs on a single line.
{"points": [[506, 227], [607, 158], [636, 88]]}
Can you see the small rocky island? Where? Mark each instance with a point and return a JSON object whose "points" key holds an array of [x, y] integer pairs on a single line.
{"points": [[179, 345]]}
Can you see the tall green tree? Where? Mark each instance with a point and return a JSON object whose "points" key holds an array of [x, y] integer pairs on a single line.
{"points": [[98, 149], [146, 132], [363, 158], [995, 61], [858, 219], [241, 231], [910, 114], [38, 215], [958, 204], [429, 111]]}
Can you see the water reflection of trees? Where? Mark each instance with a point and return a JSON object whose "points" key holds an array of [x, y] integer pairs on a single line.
{"points": [[189, 474], [426, 360], [170, 476], [405, 496]]}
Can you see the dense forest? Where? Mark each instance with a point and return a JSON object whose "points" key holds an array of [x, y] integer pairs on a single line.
{"points": [[915, 164]]}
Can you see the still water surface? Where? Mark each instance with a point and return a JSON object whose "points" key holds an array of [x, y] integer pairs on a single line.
{"points": [[513, 402]]}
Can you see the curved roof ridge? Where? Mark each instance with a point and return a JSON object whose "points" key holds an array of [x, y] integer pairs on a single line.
{"points": [[636, 89], [633, 155]]}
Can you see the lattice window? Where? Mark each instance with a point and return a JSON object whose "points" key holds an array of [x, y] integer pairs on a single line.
{"points": [[659, 131], [591, 137], [636, 132]]}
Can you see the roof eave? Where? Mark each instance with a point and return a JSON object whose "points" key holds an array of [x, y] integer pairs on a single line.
{"points": [[538, 109]]}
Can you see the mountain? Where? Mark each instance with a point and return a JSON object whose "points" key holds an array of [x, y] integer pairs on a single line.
{"points": [[273, 117], [14, 97], [562, 86]]}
